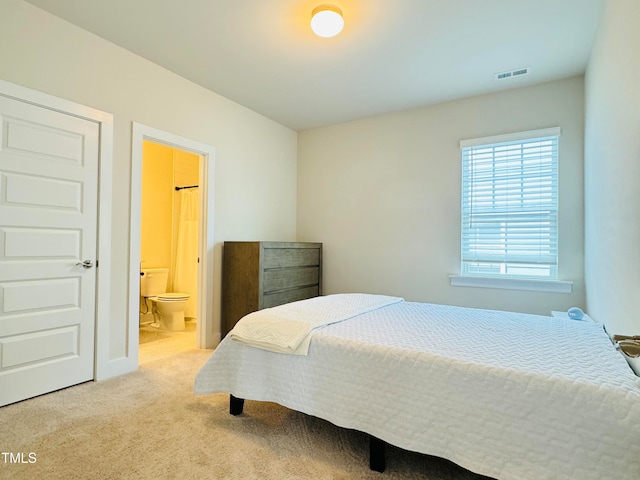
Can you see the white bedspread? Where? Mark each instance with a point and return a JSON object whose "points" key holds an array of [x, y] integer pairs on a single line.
{"points": [[511, 396], [287, 328]]}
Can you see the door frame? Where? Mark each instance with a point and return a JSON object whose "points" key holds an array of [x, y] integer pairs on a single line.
{"points": [[205, 335], [103, 366]]}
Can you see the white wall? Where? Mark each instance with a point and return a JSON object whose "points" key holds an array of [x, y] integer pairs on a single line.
{"points": [[255, 164], [383, 194], [612, 170]]}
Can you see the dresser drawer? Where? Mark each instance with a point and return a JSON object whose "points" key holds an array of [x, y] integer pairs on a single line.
{"points": [[290, 257], [286, 296], [284, 278]]}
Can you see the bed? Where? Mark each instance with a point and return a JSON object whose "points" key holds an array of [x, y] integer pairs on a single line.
{"points": [[507, 395]]}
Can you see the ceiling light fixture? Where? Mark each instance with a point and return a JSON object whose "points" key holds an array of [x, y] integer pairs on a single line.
{"points": [[326, 21]]}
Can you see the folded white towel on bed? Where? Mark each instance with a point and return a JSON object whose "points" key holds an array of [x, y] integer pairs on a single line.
{"points": [[287, 328]]}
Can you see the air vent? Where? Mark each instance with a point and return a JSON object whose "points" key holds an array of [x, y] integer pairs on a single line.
{"points": [[512, 73]]}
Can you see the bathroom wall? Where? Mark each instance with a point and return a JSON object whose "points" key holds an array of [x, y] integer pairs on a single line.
{"points": [[157, 206]]}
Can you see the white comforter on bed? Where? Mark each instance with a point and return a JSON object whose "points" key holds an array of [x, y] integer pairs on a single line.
{"points": [[507, 395]]}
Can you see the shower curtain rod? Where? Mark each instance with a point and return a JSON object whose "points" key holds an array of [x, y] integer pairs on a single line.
{"points": [[188, 186]]}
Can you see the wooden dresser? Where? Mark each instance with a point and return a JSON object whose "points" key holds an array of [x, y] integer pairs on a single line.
{"points": [[258, 275]]}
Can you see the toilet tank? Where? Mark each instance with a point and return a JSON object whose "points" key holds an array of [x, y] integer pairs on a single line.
{"points": [[153, 281]]}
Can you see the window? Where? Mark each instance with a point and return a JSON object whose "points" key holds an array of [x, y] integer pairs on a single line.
{"points": [[510, 205]]}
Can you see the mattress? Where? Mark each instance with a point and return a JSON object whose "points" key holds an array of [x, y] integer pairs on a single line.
{"points": [[507, 395]]}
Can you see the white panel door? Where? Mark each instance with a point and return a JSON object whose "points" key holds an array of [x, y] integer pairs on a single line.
{"points": [[48, 226]]}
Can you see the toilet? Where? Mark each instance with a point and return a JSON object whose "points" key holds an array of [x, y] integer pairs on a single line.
{"points": [[167, 308], [170, 309]]}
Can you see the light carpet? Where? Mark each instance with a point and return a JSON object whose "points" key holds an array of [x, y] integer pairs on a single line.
{"points": [[149, 425]]}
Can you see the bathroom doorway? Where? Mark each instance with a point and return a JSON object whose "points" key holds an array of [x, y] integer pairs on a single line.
{"points": [[169, 245], [172, 231]]}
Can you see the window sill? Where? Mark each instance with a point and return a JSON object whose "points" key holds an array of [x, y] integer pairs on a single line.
{"points": [[553, 286]]}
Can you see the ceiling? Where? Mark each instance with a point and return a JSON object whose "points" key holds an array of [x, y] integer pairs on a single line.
{"points": [[392, 54]]}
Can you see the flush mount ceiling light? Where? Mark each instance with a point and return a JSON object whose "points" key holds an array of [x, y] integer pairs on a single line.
{"points": [[327, 21]]}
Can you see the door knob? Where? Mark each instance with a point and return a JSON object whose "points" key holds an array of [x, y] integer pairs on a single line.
{"points": [[85, 264]]}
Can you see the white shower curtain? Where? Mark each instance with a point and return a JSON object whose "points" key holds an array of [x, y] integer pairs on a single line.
{"points": [[185, 272]]}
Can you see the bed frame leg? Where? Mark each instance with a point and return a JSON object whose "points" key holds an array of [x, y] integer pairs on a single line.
{"points": [[377, 460], [235, 405]]}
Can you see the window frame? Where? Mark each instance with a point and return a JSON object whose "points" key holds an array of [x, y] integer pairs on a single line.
{"points": [[551, 261]]}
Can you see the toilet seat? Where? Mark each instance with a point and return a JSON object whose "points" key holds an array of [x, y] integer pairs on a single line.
{"points": [[168, 309], [173, 297]]}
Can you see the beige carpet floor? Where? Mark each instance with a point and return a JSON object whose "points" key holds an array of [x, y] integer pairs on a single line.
{"points": [[149, 425]]}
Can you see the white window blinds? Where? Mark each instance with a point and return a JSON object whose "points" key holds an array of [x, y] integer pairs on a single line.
{"points": [[510, 205]]}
